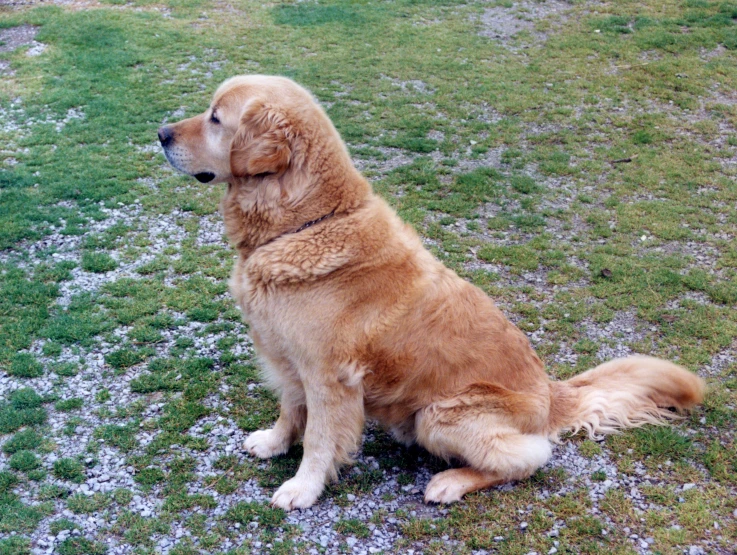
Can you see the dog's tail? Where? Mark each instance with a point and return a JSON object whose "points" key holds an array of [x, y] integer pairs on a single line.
{"points": [[623, 393]]}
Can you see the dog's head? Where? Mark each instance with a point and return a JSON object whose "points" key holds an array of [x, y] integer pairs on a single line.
{"points": [[273, 144], [255, 126]]}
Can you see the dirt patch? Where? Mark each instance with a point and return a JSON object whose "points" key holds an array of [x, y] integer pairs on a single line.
{"points": [[15, 37], [504, 23], [412, 85]]}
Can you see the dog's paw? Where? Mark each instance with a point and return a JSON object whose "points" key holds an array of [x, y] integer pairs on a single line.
{"points": [[445, 488], [265, 444], [296, 493]]}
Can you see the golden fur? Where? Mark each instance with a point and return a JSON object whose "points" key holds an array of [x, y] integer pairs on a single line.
{"points": [[352, 317]]}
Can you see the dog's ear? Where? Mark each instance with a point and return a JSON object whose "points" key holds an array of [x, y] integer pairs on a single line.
{"points": [[262, 143]]}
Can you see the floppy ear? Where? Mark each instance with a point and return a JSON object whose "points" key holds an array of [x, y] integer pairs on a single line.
{"points": [[261, 144]]}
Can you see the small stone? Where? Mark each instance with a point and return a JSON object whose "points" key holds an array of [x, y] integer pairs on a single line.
{"points": [[687, 487], [350, 497], [523, 526]]}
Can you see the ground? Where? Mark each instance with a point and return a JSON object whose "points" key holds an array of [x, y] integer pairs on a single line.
{"points": [[576, 160]]}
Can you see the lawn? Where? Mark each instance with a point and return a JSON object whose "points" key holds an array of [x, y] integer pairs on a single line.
{"points": [[575, 159]]}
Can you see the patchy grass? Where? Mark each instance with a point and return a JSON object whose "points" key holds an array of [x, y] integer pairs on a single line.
{"points": [[580, 171]]}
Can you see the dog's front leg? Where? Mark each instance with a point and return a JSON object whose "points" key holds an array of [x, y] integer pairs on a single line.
{"points": [[335, 419], [288, 428]]}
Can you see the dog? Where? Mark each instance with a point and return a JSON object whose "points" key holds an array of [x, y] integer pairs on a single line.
{"points": [[353, 318]]}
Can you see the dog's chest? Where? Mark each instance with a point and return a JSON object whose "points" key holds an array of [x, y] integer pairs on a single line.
{"points": [[291, 315]]}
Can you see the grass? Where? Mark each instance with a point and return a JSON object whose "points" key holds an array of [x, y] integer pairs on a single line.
{"points": [[23, 461], [80, 546], [98, 262], [244, 513], [69, 469], [585, 181], [27, 439]]}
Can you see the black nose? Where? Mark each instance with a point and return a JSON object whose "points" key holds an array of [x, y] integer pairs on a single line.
{"points": [[166, 136]]}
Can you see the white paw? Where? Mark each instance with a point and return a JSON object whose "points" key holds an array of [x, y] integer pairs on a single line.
{"points": [[264, 444], [296, 493], [444, 488]]}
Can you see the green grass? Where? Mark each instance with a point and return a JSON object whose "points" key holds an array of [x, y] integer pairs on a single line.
{"points": [[25, 440], [353, 527], [80, 546], [81, 504], [24, 409], [244, 513], [499, 152], [69, 469], [98, 262], [69, 404], [24, 461], [62, 524], [15, 546], [25, 366]]}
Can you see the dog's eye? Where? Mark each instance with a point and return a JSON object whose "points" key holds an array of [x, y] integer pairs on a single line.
{"points": [[214, 118]]}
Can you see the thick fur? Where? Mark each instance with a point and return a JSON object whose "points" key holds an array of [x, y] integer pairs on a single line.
{"points": [[353, 318]]}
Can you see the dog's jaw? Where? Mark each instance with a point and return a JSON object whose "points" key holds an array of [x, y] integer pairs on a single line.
{"points": [[179, 158]]}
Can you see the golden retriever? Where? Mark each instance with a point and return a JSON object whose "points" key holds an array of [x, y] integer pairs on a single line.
{"points": [[352, 317]]}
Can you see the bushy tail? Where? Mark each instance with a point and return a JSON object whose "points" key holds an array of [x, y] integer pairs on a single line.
{"points": [[623, 393]]}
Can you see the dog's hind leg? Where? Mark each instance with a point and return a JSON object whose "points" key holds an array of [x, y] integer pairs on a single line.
{"points": [[489, 428]]}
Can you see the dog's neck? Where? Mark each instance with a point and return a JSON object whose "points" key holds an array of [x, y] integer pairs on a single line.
{"points": [[253, 219]]}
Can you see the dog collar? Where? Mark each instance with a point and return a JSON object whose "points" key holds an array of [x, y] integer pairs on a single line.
{"points": [[313, 222], [301, 228]]}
